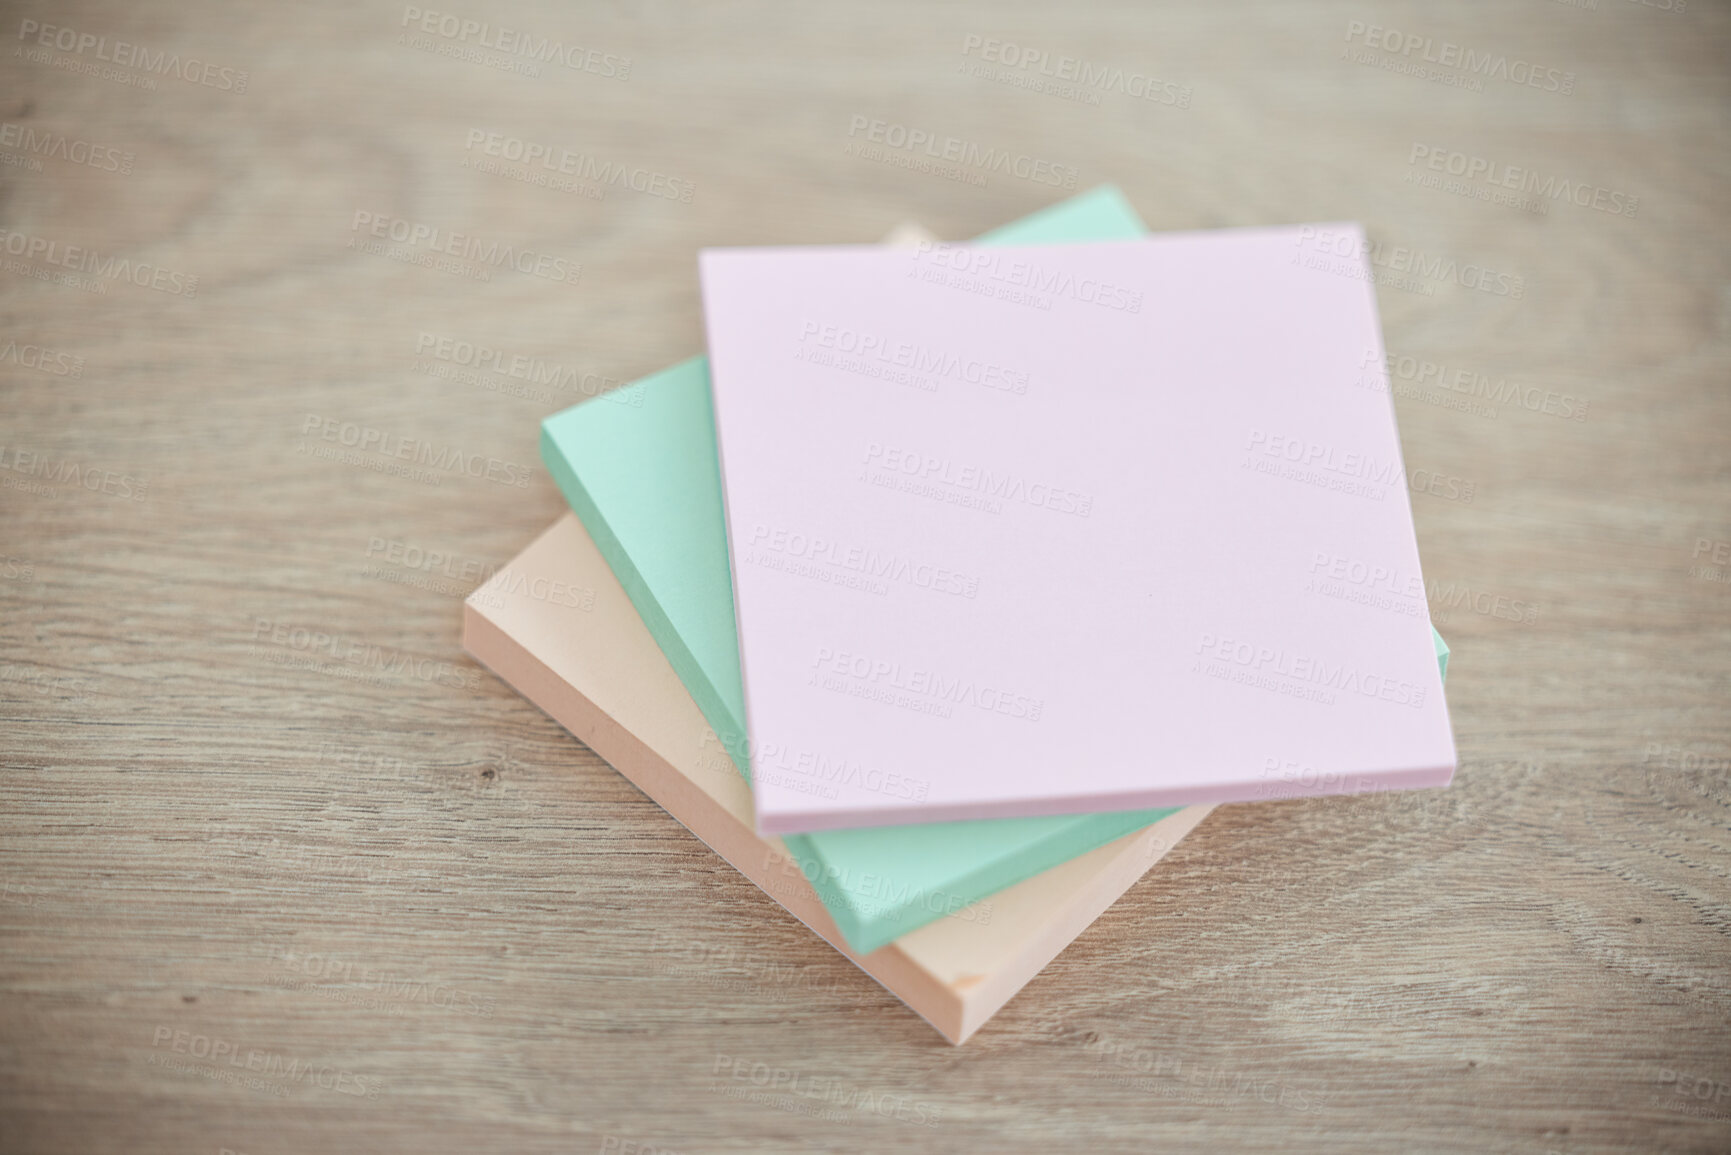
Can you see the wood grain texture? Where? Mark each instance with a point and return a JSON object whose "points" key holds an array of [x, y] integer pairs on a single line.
{"points": [[428, 920]]}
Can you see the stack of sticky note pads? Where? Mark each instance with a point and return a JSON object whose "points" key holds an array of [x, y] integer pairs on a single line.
{"points": [[959, 581]]}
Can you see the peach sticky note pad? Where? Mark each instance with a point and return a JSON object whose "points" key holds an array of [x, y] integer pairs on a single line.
{"points": [[556, 624]]}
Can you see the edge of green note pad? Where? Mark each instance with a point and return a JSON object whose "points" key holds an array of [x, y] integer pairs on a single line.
{"points": [[645, 482]]}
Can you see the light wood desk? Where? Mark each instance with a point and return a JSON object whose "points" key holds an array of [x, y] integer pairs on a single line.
{"points": [[451, 920]]}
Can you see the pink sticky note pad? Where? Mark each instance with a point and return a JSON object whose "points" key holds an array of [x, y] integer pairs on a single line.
{"points": [[1032, 531]]}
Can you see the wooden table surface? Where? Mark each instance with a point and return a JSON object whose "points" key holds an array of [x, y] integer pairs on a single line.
{"points": [[267, 896]]}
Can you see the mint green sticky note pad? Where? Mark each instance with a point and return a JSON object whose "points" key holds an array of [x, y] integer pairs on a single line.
{"points": [[645, 481]]}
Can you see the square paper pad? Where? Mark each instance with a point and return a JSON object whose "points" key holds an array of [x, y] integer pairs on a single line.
{"points": [[1034, 531], [557, 626]]}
